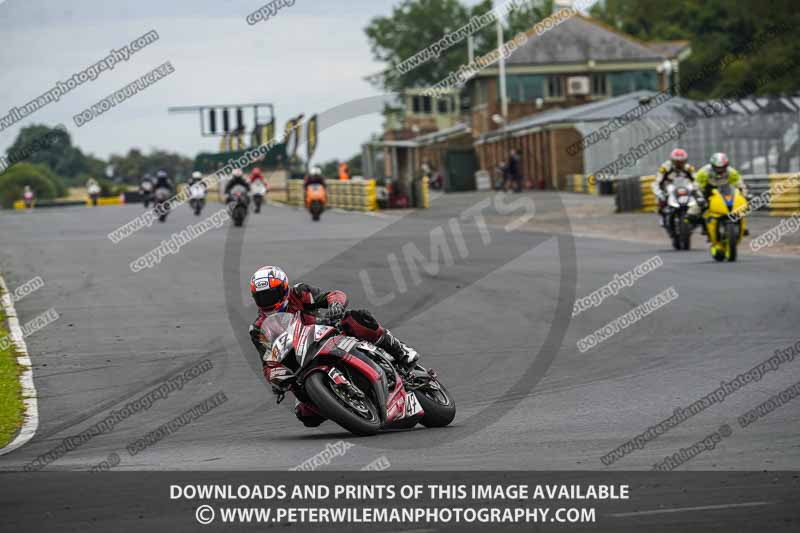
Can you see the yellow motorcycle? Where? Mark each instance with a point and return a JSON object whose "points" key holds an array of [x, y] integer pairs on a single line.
{"points": [[725, 221]]}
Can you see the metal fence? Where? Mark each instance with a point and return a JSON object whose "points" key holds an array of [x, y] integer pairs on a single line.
{"points": [[760, 136]]}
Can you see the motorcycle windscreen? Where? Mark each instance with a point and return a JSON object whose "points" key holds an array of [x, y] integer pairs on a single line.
{"points": [[275, 325], [728, 194]]}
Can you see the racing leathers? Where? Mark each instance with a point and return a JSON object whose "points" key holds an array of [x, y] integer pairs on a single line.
{"points": [[164, 183], [667, 172], [312, 180], [233, 182], [360, 324], [704, 181]]}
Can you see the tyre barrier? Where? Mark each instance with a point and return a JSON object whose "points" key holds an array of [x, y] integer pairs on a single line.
{"points": [[780, 192], [590, 185], [353, 195]]}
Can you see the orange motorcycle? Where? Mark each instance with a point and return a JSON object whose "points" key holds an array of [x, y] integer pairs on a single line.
{"points": [[316, 200]]}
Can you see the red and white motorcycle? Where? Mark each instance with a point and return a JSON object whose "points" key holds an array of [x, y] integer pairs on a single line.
{"points": [[353, 382]]}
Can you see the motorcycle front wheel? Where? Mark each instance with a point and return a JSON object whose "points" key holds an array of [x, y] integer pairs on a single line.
{"points": [[239, 214], [733, 241], [358, 416], [685, 234], [439, 406]]}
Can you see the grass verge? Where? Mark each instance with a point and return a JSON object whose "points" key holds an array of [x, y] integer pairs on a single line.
{"points": [[11, 405]]}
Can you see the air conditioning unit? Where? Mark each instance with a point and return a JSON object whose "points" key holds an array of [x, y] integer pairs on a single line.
{"points": [[578, 85]]}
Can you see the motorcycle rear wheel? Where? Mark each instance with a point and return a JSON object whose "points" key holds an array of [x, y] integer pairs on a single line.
{"points": [[332, 406]]}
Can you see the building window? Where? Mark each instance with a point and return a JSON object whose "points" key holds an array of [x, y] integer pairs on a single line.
{"points": [[555, 87], [628, 82], [426, 105], [599, 85], [524, 88], [441, 106], [421, 105]]}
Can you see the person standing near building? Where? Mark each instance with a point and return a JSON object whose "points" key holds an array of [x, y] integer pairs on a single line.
{"points": [[514, 170]]}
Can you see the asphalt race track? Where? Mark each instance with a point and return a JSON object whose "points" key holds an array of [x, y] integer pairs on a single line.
{"points": [[496, 325]]}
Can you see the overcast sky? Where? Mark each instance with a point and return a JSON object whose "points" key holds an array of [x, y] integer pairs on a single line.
{"points": [[308, 58]]}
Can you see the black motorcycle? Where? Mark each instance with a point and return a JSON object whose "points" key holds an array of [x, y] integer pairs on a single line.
{"points": [[238, 201]]}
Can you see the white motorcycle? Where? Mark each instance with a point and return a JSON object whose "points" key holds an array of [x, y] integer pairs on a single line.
{"points": [[682, 213], [147, 192], [259, 190], [94, 193], [197, 197]]}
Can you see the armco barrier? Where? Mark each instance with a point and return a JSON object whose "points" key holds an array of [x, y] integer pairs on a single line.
{"points": [[354, 195]]}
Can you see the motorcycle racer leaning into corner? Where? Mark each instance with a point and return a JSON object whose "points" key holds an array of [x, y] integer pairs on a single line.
{"points": [[270, 289], [676, 167]]}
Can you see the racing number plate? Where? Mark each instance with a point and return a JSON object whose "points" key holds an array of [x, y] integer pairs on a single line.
{"points": [[412, 405]]}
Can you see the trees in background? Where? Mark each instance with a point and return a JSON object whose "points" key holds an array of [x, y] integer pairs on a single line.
{"points": [[415, 24], [135, 164], [46, 156], [716, 28], [41, 179]]}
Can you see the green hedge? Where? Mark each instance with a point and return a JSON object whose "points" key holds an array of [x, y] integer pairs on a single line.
{"points": [[45, 184]]}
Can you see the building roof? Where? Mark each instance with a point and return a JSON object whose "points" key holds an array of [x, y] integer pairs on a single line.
{"points": [[428, 138], [674, 108], [580, 39], [671, 49], [602, 110]]}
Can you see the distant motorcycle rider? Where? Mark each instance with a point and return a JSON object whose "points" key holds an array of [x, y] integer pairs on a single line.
{"points": [[314, 177], [675, 167], [718, 172], [236, 179], [270, 289], [163, 181], [257, 175], [195, 178], [146, 179]]}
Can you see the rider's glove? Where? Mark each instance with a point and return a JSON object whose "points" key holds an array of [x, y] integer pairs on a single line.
{"points": [[335, 311], [255, 336]]}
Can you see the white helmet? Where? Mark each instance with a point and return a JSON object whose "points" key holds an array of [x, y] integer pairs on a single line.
{"points": [[237, 172], [316, 171], [197, 175]]}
